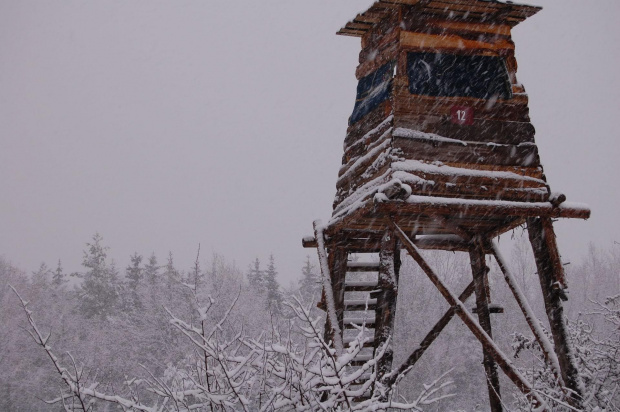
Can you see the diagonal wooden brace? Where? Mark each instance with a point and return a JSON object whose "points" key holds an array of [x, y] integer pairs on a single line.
{"points": [[498, 356], [529, 315]]}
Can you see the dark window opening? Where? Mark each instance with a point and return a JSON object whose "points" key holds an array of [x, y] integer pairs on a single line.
{"points": [[451, 75], [372, 90]]}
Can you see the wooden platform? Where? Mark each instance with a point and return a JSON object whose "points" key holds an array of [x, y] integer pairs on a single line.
{"points": [[436, 222]]}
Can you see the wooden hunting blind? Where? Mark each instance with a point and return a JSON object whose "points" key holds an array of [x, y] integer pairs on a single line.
{"points": [[440, 154]]}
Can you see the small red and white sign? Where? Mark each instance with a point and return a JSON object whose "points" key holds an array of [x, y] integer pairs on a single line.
{"points": [[462, 115]]}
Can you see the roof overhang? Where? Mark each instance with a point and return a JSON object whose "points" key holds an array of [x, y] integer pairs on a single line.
{"points": [[475, 11]]}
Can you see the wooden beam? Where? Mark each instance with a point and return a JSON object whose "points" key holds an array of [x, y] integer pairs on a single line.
{"points": [[528, 313], [499, 29], [548, 263], [308, 242], [425, 149], [498, 356], [389, 265], [363, 266], [485, 208], [332, 332], [337, 261], [480, 273], [374, 210], [450, 42], [359, 244]]}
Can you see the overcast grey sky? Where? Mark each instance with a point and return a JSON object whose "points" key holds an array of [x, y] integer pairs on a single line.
{"points": [[164, 124]]}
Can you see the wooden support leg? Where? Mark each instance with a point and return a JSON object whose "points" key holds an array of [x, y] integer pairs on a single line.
{"points": [[480, 272], [500, 358], [333, 331], [337, 261], [389, 265], [552, 281]]}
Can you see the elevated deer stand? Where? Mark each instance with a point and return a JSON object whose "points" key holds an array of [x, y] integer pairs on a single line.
{"points": [[440, 154]]}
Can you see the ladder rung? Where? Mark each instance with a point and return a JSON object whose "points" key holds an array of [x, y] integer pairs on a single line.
{"points": [[362, 266], [350, 339], [351, 326], [360, 304], [493, 308], [360, 286], [373, 283], [368, 345], [356, 362], [363, 357], [359, 308], [359, 321]]}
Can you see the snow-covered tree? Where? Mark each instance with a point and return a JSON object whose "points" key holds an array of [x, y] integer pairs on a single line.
{"points": [[43, 275], [58, 277], [256, 277], [134, 273], [272, 287], [98, 294], [310, 282], [151, 269], [597, 355]]}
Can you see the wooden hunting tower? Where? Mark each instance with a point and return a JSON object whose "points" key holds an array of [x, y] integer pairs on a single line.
{"points": [[440, 154]]}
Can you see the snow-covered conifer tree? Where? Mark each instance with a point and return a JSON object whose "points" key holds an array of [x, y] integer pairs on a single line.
{"points": [[134, 274], [151, 269], [272, 287], [58, 278], [256, 277], [98, 294], [42, 275], [310, 282]]}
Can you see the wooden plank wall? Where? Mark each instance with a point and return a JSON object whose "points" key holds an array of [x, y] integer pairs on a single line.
{"points": [[501, 137]]}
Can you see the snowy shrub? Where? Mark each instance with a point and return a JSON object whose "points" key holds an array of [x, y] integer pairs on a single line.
{"points": [[289, 368], [597, 355]]}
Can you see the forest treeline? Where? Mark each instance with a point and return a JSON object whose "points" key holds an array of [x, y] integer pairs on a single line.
{"points": [[114, 319], [116, 322]]}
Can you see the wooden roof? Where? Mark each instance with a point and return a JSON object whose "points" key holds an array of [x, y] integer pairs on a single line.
{"points": [[463, 10]]}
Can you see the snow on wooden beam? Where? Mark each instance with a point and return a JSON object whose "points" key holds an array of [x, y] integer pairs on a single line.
{"points": [[529, 315], [474, 207], [327, 288]]}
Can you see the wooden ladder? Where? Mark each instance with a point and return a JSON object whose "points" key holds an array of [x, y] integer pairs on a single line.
{"points": [[361, 288]]}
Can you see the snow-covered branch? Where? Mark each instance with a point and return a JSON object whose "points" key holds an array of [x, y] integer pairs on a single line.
{"points": [[289, 370]]}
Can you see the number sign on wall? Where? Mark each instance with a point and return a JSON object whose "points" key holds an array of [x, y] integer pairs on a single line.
{"points": [[462, 115]]}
